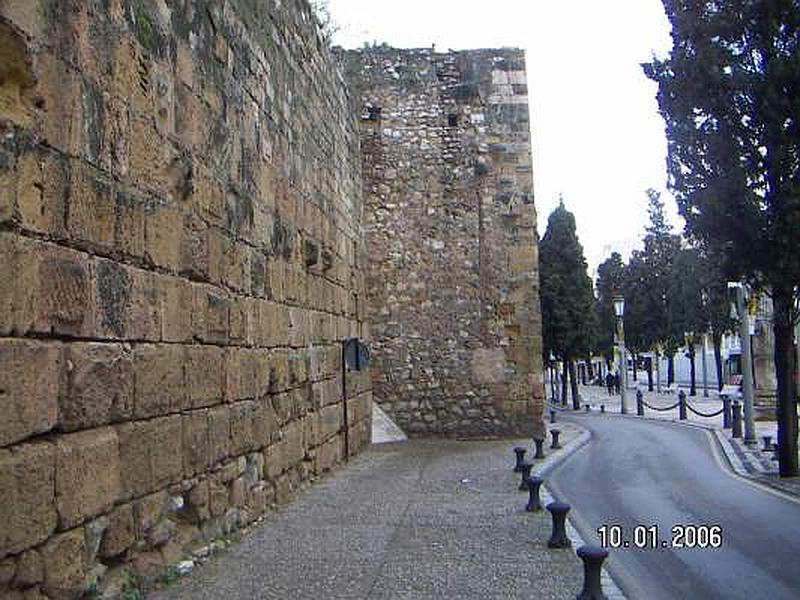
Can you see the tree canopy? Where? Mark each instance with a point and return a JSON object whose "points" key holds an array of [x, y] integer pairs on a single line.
{"points": [[566, 290], [729, 93]]}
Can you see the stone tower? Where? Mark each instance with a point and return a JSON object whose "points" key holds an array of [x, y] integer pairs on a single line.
{"points": [[452, 282]]}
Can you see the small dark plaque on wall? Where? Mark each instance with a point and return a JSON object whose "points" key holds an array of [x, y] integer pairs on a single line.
{"points": [[356, 354]]}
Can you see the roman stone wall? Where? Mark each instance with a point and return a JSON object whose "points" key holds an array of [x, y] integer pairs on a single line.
{"points": [[180, 258], [451, 239]]}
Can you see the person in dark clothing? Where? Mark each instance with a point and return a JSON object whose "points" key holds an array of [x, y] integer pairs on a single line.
{"points": [[617, 386], [610, 383]]}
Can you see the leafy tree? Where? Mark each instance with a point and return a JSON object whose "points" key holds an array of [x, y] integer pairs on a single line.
{"points": [[566, 295], [649, 322], [610, 279], [716, 307], [686, 311], [730, 96]]}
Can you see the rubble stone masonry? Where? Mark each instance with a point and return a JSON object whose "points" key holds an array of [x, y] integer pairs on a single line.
{"points": [[451, 237], [181, 255]]}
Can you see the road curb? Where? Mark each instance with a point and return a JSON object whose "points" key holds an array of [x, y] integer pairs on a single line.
{"points": [[610, 587], [735, 464]]}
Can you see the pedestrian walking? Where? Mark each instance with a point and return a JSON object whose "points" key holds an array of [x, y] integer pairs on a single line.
{"points": [[617, 383], [610, 383]]}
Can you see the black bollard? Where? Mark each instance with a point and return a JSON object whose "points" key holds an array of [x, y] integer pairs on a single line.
{"points": [[767, 443], [554, 433], [726, 412], [559, 538], [539, 443], [682, 405], [639, 403], [602, 408], [520, 452], [586, 407], [526, 472], [737, 419], [534, 483], [552, 415], [592, 557]]}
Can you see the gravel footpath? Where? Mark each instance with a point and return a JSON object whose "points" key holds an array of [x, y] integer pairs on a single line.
{"points": [[421, 519]]}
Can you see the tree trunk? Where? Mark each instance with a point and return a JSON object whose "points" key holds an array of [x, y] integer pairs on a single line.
{"points": [[670, 368], [717, 339], [574, 385], [692, 372], [635, 372], [649, 373], [564, 381], [782, 298], [590, 368]]}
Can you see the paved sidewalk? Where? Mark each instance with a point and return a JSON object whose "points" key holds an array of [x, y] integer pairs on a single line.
{"points": [[748, 461], [421, 519]]}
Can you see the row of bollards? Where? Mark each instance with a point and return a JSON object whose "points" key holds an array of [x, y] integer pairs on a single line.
{"points": [[592, 556], [519, 451]]}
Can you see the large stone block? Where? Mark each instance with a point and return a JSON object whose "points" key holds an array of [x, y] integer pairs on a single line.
{"points": [[175, 297], [42, 191], [64, 567], [99, 385], [152, 454], [30, 382], [219, 433], [60, 120], [243, 435], [27, 496], [87, 475], [210, 319], [205, 375], [64, 300], [195, 442], [120, 533], [241, 374], [164, 236], [159, 381], [129, 225], [91, 216]]}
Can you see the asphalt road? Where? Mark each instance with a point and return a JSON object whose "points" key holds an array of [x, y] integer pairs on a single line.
{"points": [[647, 473]]}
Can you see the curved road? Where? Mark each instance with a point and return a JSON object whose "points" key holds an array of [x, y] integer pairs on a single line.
{"points": [[636, 472]]}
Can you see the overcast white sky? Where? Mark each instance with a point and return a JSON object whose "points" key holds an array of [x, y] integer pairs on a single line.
{"points": [[597, 136]]}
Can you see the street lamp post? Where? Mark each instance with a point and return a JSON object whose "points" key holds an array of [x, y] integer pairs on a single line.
{"points": [[619, 310], [747, 362], [705, 368]]}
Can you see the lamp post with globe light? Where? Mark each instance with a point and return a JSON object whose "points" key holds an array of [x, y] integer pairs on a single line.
{"points": [[619, 311]]}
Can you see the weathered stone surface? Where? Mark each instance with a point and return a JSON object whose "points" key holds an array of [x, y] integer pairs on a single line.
{"points": [[120, 533], [451, 238], [168, 266], [99, 385], [205, 375], [27, 496], [30, 569], [152, 454], [159, 380], [64, 292], [196, 454], [30, 379], [87, 475], [64, 570]]}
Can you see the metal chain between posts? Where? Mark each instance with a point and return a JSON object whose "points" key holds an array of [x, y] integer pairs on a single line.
{"points": [[661, 409], [702, 414]]}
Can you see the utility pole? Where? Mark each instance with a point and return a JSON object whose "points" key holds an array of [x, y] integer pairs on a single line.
{"points": [[619, 310], [747, 362], [705, 368]]}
